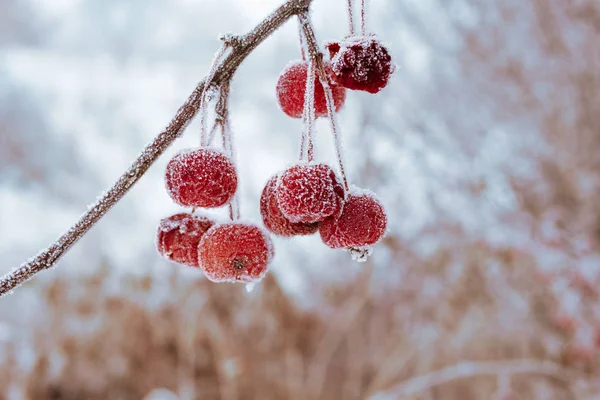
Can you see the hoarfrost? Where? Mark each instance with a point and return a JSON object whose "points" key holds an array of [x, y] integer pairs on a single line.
{"points": [[360, 254]]}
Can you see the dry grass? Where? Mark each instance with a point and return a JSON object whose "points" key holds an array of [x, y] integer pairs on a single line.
{"points": [[471, 303]]}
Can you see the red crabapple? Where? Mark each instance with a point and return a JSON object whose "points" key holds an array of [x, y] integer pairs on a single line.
{"points": [[178, 237], [361, 63], [291, 89], [363, 223], [310, 193], [202, 177], [274, 219], [235, 252]]}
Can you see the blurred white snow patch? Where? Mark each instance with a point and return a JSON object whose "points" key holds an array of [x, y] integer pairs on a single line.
{"points": [[55, 7], [14, 392], [257, 8], [250, 287], [5, 334], [161, 394], [230, 367], [21, 213]]}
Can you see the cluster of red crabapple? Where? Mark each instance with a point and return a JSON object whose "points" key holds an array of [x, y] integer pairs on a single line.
{"points": [[305, 198]]}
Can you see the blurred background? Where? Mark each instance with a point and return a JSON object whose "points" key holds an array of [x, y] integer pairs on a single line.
{"points": [[485, 149]]}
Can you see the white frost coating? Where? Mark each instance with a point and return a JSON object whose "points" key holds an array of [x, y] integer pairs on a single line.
{"points": [[250, 287], [203, 103], [358, 191], [351, 17], [368, 43], [360, 254], [229, 148], [309, 111], [363, 20], [335, 130], [314, 55]]}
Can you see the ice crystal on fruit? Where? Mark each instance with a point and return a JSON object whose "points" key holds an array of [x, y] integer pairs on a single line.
{"points": [[291, 89], [310, 193], [202, 177], [363, 222], [235, 252], [273, 218], [178, 237], [361, 63]]}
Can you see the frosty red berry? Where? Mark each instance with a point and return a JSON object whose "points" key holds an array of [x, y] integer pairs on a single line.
{"points": [[361, 63], [178, 237], [235, 252], [203, 177], [291, 88], [273, 218], [305, 198], [309, 193], [362, 223]]}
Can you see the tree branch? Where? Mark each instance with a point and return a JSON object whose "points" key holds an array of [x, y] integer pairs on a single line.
{"points": [[241, 46]]}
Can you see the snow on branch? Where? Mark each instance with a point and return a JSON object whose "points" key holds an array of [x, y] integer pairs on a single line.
{"points": [[241, 46]]}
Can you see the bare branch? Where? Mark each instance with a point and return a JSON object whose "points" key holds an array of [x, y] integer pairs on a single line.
{"points": [[241, 46]]}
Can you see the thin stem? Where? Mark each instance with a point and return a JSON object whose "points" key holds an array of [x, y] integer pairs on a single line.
{"points": [[213, 132], [242, 46], [309, 110], [228, 146], [351, 17], [302, 44], [363, 17], [203, 100], [317, 56], [302, 156]]}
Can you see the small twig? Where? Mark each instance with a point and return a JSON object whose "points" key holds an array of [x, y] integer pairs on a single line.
{"points": [[316, 55], [363, 17], [466, 370], [242, 46], [208, 82], [302, 44], [309, 110], [228, 146], [213, 131], [350, 17]]}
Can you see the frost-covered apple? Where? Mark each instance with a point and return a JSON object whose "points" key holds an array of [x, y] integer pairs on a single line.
{"points": [[235, 252], [291, 90], [363, 222], [310, 193], [274, 219], [178, 237], [202, 177], [361, 63]]}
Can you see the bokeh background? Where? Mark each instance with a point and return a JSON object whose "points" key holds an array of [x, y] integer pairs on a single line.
{"points": [[485, 149]]}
